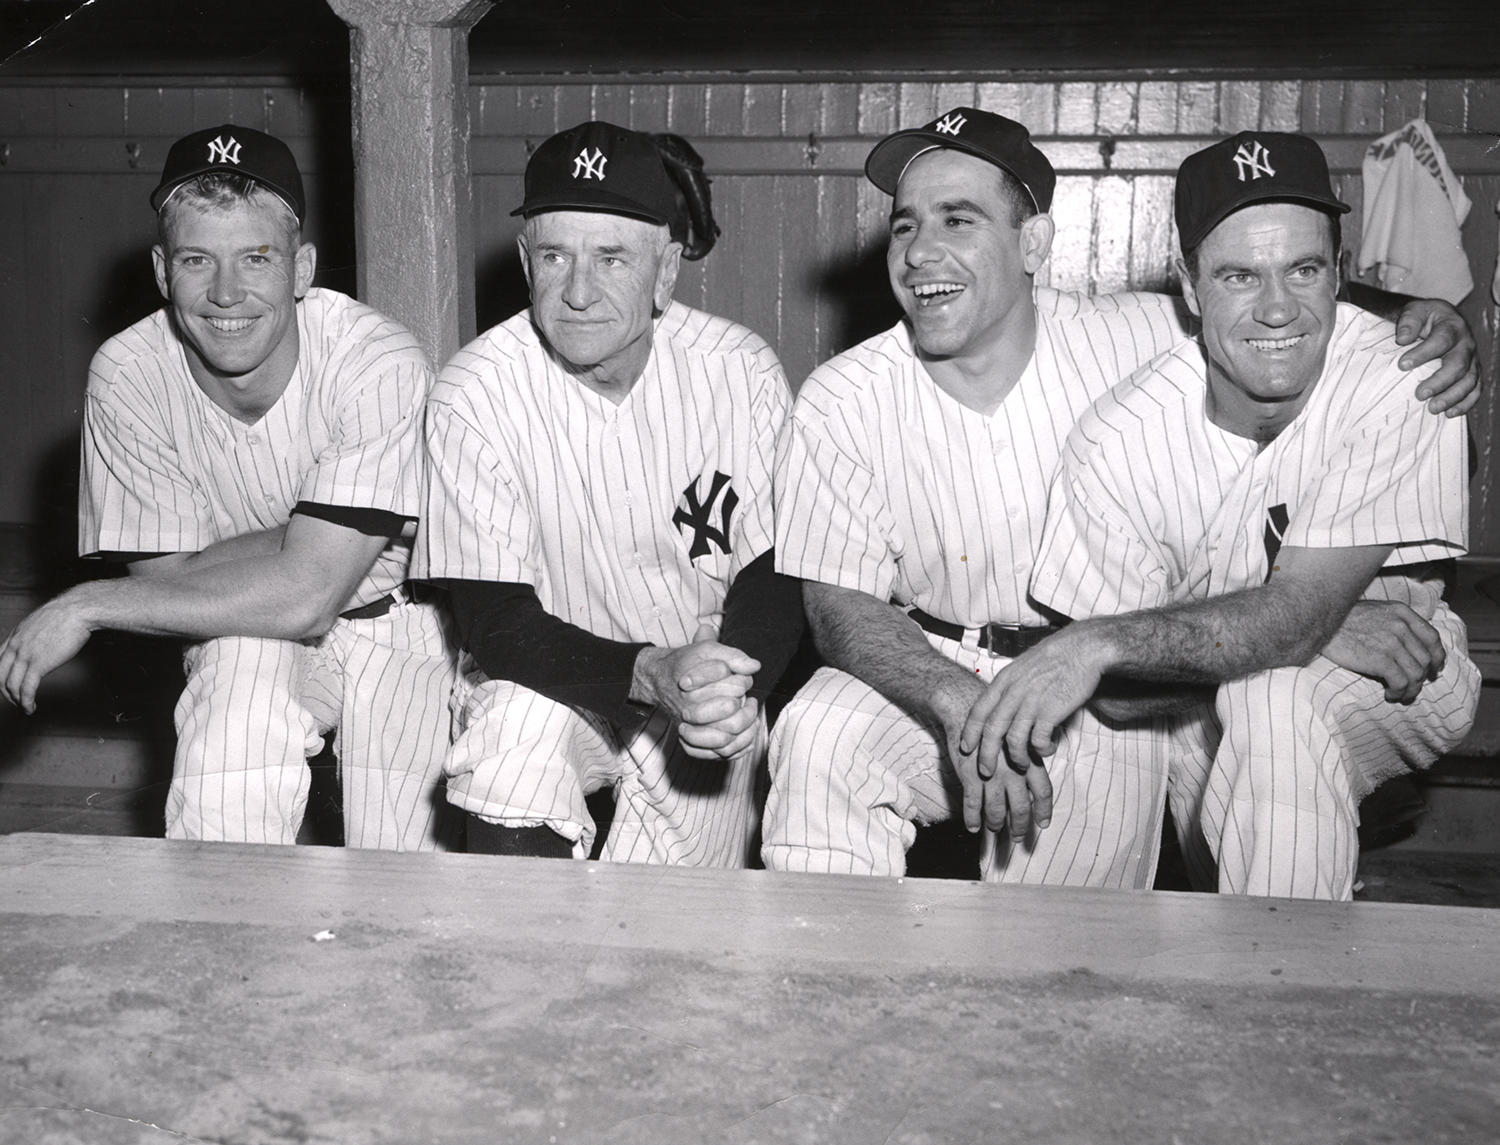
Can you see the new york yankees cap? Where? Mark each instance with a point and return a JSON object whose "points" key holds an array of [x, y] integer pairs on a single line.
{"points": [[237, 150], [597, 166], [1251, 167], [1003, 142]]}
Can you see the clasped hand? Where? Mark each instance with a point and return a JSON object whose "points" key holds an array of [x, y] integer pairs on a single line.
{"points": [[704, 686]]}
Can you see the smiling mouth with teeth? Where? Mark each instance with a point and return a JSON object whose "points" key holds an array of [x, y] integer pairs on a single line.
{"points": [[230, 325], [936, 291], [1274, 343]]}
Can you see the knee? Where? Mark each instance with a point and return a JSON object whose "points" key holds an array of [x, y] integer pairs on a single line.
{"points": [[1259, 709]]}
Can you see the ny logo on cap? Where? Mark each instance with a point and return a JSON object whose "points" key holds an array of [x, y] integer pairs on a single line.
{"points": [[221, 152], [587, 166], [1253, 161], [950, 123]]}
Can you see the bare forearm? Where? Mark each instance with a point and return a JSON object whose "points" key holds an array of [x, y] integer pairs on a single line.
{"points": [[1120, 699], [262, 543], [876, 643], [1207, 642], [233, 598]]}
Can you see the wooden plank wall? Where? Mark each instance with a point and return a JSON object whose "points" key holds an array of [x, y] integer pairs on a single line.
{"points": [[800, 260]]}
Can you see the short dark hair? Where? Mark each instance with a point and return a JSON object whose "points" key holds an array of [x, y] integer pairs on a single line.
{"points": [[1021, 205]]}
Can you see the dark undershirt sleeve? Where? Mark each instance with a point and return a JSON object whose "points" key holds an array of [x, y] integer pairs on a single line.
{"points": [[763, 618], [111, 557], [370, 522], [512, 637]]}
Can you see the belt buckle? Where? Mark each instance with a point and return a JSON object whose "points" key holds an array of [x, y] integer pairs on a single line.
{"points": [[987, 639]]}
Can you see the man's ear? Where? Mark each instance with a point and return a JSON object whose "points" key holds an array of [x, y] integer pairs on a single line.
{"points": [[666, 275], [525, 257], [1189, 292], [305, 264], [1036, 241], [159, 267]]}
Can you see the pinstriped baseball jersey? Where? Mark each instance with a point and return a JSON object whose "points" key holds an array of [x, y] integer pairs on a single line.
{"points": [[1154, 503], [166, 470], [887, 485], [630, 520]]}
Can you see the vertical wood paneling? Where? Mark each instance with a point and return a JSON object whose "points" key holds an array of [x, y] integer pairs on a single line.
{"points": [[1117, 109], [1364, 108], [1405, 100], [1038, 109], [1077, 112], [1280, 105], [1239, 107], [1109, 262], [1448, 105], [1073, 210], [1151, 233], [1157, 110], [687, 108], [1197, 108]]}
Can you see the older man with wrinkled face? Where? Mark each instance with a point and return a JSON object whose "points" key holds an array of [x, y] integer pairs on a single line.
{"points": [[1256, 514], [600, 503]]}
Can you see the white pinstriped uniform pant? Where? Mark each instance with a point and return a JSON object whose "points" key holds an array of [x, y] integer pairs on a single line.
{"points": [[852, 775], [1274, 803], [253, 711], [1264, 789], [522, 760]]}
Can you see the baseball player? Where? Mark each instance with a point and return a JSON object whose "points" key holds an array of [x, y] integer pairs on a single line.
{"points": [[600, 511], [1220, 514], [911, 495], [252, 453]]}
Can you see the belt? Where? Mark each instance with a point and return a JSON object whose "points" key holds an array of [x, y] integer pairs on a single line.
{"points": [[996, 639], [401, 594]]}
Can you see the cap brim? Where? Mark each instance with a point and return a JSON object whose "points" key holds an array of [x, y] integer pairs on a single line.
{"points": [[1332, 206], [598, 201], [891, 155]]}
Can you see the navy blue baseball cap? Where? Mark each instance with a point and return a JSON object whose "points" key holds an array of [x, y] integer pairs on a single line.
{"points": [[1251, 167], [240, 151], [993, 138], [597, 166]]}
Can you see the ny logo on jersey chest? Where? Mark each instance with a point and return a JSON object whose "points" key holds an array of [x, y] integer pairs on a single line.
{"points": [[697, 515]]}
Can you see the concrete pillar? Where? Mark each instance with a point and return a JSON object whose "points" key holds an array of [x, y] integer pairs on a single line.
{"points": [[409, 78]]}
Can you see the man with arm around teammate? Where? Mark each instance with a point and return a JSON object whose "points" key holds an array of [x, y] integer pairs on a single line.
{"points": [[1259, 511], [912, 489]]}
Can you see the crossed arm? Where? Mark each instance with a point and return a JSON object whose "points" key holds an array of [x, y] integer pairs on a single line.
{"points": [[711, 687], [877, 643], [1300, 612], [288, 583]]}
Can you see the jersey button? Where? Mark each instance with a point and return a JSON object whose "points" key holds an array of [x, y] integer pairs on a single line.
{"points": [[253, 439]]}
